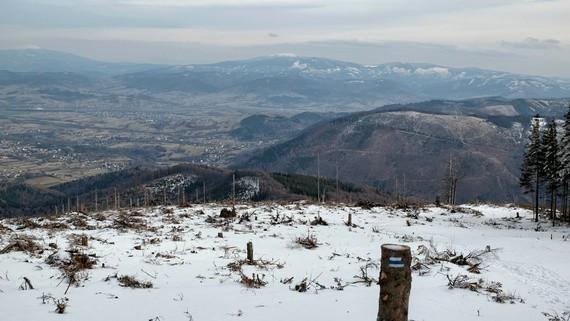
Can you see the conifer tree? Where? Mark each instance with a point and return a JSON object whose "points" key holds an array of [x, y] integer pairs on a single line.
{"points": [[551, 165], [531, 171], [565, 165]]}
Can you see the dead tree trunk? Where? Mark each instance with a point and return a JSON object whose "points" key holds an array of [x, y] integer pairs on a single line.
{"points": [[318, 177], [395, 283], [553, 205]]}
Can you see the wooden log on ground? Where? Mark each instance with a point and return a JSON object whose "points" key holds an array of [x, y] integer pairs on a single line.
{"points": [[395, 282]]}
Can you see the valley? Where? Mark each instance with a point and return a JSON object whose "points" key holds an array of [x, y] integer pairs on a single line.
{"points": [[388, 126]]}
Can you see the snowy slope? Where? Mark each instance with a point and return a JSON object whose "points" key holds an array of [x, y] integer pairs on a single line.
{"points": [[179, 251]]}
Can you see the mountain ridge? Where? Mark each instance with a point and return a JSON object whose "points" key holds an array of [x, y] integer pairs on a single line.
{"points": [[413, 143], [285, 79]]}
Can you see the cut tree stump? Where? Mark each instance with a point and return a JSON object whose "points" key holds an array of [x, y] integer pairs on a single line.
{"points": [[395, 282]]}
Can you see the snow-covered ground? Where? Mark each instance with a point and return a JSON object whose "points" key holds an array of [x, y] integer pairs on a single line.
{"points": [[180, 252]]}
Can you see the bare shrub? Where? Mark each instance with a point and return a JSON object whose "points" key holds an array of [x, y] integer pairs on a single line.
{"points": [[308, 284], [491, 288], [254, 281], [308, 242], [73, 268], [429, 255], [60, 305]]}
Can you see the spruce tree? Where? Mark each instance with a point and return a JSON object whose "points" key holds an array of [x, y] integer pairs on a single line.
{"points": [[531, 170], [551, 165], [565, 164]]}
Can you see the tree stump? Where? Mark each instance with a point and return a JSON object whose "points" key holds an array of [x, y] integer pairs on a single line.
{"points": [[395, 283], [250, 252]]}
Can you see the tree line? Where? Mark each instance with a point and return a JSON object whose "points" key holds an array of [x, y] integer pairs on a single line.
{"points": [[545, 169]]}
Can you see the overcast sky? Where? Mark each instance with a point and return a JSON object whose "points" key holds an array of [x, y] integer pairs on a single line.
{"points": [[526, 36]]}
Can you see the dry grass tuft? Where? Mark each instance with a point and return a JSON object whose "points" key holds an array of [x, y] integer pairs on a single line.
{"points": [[131, 282]]}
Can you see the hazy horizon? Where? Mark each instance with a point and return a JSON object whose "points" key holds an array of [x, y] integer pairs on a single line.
{"points": [[527, 37]]}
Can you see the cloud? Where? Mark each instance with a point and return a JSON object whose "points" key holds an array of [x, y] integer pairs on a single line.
{"points": [[532, 43]]}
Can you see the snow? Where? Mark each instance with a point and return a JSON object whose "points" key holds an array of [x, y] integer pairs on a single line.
{"points": [[394, 247], [286, 55], [299, 65], [191, 280], [436, 71]]}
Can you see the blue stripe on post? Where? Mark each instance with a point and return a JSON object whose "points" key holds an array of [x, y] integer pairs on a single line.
{"points": [[395, 262]]}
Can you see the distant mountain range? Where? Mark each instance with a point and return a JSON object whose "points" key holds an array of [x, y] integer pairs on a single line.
{"points": [[406, 148], [292, 80], [42, 60]]}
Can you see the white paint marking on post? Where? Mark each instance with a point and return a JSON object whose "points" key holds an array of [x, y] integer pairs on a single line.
{"points": [[395, 262]]}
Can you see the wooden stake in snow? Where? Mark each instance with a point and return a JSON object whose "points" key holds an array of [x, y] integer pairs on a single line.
{"points": [[349, 222], [395, 283], [250, 251]]}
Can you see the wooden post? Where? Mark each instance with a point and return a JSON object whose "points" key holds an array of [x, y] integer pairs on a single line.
{"points": [[395, 283], [250, 251], [349, 222]]}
